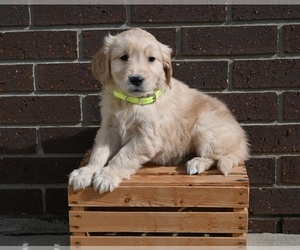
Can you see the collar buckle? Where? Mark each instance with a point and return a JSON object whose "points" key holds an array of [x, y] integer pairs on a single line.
{"points": [[140, 101], [154, 97]]}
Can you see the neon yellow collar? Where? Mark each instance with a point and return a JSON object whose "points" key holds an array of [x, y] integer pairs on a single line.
{"points": [[138, 100]]}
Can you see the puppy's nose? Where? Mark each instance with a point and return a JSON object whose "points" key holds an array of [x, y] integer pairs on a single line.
{"points": [[136, 80]]}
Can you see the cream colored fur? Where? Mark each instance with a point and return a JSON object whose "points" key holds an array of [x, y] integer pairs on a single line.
{"points": [[180, 122]]}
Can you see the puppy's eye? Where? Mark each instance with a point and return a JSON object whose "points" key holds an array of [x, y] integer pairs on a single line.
{"points": [[124, 58], [151, 59]]}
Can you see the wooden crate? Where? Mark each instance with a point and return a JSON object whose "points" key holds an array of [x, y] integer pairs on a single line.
{"points": [[162, 206]]}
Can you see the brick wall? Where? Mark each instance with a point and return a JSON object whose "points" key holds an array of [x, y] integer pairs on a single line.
{"points": [[249, 56]]}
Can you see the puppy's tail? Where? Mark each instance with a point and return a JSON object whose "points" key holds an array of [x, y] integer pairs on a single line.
{"points": [[226, 163]]}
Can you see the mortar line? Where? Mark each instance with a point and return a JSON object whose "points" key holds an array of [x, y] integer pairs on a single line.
{"points": [[42, 156], [40, 150], [83, 109], [278, 170], [228, 23], [35, 78], [44, 200], [280, 47], [128, 17], [280, 107], [230, 76], [80, 155], [30, 15], [78, 44], [33, 186], [178, 43], [228, 14], [256, 57]]}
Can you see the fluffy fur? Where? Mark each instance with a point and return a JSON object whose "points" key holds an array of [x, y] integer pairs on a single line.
{"points": [[180, 122]]}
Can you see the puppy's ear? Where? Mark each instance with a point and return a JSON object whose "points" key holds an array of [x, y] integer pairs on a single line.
{"points": [[101, 62], [167, 63]]}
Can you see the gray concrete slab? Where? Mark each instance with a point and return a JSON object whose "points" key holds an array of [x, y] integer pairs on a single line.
{"points": [[273, 240], [35, 240], [63, 240]]}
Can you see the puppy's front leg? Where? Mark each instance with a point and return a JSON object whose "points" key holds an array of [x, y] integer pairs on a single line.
{"points": [[107, 143], [124, 164]]}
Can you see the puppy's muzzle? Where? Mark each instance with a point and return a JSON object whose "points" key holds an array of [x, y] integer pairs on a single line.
{"points": [[136, 80]]}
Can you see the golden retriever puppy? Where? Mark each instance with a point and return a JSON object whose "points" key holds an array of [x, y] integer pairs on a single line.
{"points": [[149, 116]]}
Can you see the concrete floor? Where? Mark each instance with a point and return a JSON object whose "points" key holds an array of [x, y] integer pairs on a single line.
{"points": [[63, 240], [274, 240]]}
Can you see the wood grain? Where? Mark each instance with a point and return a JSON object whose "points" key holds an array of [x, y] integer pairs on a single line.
{"points": [[157, 241], [179, 222], [160, 196]]}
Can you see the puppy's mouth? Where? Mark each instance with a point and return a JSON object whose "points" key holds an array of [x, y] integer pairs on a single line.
{"points": [[140, 93], [137, 91]]}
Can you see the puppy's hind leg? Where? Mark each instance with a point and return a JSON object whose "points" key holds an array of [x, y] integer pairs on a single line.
{"points": [[199, 165]]}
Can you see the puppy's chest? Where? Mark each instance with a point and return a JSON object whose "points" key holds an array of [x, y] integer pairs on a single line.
{"points": [[127, 127]]}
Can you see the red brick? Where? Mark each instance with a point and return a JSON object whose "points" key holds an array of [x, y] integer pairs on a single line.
{"points": [[18, 140], [78, 14], [14, 15], [252, 107], [266, 74], [67, 140], [92, 40], [38, 45], [265, 12], [21, 201], [41, 110], [291, 106], [264, 225], [291, 226], [292, 39], [274, 138], [273, 201], [290, 169], [166, 36], [67, 77], [178, 13], [56, 201], [93, 109], [37, 170], [261, 170], [16, 78], [202, 75], [229, 40]]}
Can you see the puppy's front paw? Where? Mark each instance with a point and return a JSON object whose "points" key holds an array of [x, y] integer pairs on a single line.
{"points": [[106, 180], [198, 165], [82, 177]]}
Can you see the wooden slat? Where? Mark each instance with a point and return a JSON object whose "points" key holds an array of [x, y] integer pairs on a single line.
{"points": [[186, 180], [181, 170], [235, 197], [157, 241], [197, 222]]}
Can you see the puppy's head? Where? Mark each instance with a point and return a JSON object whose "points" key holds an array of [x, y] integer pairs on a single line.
{"points": [[134, 61]]}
